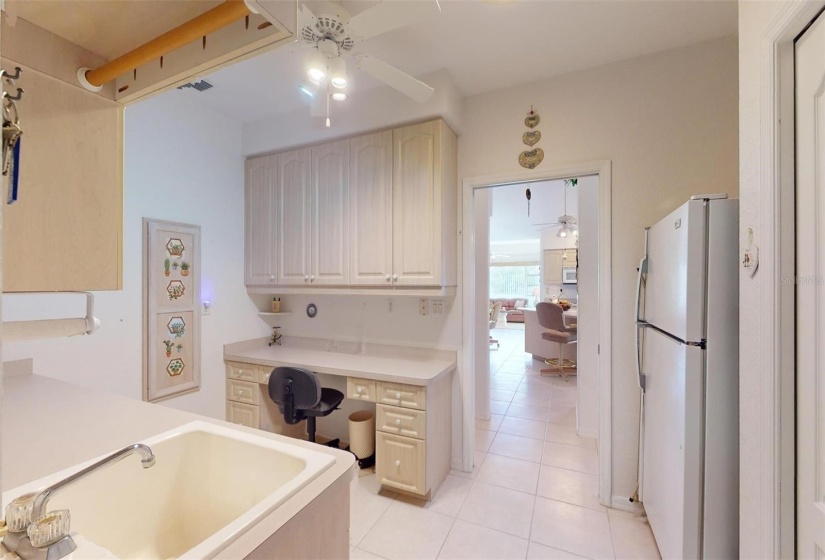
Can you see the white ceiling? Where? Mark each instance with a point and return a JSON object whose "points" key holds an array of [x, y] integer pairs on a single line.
{"points": [[485, 45], [509, 222]]}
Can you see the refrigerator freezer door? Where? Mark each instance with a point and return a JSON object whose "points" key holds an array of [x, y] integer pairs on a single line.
{"points": [[673, 443], [675, 288]]}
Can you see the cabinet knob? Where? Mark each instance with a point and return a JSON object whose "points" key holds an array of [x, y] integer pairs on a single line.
{"points": [[394, 277], [312, 278], [306, 278], [359, 390], [398, 421], [398, 395], [398, 464], [388, 277], [272, 277]]}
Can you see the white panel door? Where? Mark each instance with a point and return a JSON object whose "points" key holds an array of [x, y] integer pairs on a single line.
{"points": [[674, 293], [259, 254], [370, 209], [292, 240], [330, 179], [417, 205], [810, 304], [673, 443]]}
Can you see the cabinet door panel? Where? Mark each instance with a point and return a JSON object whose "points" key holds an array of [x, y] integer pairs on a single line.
{"points": [[417, 205], [293, 212], [260, 221], [370, 209], [551, 266], [330, 179], [400, 462]]}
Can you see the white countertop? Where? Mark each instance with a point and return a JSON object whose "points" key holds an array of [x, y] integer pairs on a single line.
{"points": [[49, 425], [396, 364]]}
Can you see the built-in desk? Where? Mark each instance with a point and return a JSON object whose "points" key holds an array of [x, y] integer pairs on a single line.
{"points": [[411, 389]]}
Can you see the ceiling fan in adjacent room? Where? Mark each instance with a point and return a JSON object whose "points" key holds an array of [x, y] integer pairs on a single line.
{"points": [[331, 37], [568, 225]]}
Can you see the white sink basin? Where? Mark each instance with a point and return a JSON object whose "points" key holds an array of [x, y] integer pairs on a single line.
{"points": [[209, 485]]}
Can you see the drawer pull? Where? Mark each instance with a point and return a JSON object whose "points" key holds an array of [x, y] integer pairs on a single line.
{"points": [[359, 390], [398, 464], [398, 422], [398, 395]]}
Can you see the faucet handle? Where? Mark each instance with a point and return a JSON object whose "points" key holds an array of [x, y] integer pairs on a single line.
{"points": [[19, 513], [50, 528]]}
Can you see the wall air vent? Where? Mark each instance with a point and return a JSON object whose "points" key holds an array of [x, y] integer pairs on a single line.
{"points": [[200, 85]]}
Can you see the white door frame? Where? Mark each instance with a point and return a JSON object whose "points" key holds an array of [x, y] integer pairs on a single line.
{"points": [[777, 317], [603, 170]]}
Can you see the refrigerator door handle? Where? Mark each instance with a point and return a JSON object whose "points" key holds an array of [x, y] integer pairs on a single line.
{"points": [[640, 323]]}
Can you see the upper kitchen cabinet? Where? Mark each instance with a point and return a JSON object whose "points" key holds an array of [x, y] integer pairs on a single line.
{"points": [[376, 211], [260, 223], [370, 209], [81, 63], [293, 217], [329, 226], [424, 205]]}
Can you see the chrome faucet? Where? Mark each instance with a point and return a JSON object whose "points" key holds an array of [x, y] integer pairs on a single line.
{"points": [[45, 536]]}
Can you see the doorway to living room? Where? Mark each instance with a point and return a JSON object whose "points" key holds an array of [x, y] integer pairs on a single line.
{"points": [[517, 263]]}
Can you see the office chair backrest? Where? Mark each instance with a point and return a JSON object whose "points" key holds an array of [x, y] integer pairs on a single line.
{"points": [[294, 390], [550, 316]]}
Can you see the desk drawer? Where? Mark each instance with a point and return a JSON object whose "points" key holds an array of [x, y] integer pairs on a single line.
{"points": [[401, 421], [361, 389], [243, 372], [242, 391], [400, 462], [243, 414], [398, 394]]}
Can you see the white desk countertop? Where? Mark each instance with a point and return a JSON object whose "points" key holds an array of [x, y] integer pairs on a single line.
{"points": [[395, 364]]}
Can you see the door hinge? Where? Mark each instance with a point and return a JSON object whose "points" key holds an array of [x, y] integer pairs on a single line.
{"points": [[599, 349], [643, 382]]}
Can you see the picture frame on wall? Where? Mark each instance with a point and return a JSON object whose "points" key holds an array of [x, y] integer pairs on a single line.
{"points": [[171, 309]]}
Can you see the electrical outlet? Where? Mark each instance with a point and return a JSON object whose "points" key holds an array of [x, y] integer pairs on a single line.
{"points": [[437, 307], [423, 308]]}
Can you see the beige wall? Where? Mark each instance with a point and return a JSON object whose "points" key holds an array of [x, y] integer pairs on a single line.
{"points": [[668, 122]]}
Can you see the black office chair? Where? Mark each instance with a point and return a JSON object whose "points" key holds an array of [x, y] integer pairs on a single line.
{"points": [[299, 396]]}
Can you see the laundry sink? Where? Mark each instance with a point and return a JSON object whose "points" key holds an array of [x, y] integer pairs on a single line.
{"points": [[208, 486]]}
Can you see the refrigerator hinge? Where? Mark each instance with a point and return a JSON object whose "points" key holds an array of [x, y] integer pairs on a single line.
{"points": [[703, 344]]}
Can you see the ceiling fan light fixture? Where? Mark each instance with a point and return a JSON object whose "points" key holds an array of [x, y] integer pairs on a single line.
{"points": [[316, 66], [338, 73], [339, 96], [563, 232]]}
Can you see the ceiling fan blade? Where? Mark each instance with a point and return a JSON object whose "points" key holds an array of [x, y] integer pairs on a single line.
{"points": [[305, 18], [389, 15], [394, 78]]}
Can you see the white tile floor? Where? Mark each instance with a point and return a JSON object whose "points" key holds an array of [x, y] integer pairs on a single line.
{"points": [[533, 492]]}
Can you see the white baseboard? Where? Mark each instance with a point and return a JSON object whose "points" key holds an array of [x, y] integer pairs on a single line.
{"points": [[623, 503]]}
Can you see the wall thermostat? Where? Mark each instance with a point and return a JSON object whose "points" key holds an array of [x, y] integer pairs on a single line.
{"points": [[312, 310]]}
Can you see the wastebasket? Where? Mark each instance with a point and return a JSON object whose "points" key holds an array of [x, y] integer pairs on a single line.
{"points": [[362, 434]]}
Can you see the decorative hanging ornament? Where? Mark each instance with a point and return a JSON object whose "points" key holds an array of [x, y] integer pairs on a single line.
{"points": [[531, 138], [531, 158], [532, 119], [529, 195]]}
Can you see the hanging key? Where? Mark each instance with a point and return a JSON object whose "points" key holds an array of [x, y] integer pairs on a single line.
{"points": [[11, 156]]}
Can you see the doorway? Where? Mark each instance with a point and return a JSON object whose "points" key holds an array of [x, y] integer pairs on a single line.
{"points": [[476, 301]]}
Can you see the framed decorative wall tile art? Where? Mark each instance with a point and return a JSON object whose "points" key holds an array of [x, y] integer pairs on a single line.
{"points": [[171, 309]]}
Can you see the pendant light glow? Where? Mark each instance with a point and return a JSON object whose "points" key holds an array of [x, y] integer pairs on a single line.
{"points": [[338, 73], [316, 66], [339, 96]]}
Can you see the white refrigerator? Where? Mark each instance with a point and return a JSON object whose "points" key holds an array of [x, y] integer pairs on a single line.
{"points": [[687, 325]]}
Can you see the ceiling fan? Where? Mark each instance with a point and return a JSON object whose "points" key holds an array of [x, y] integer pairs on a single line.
{"points": [[569, 224], [332, 37]]}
